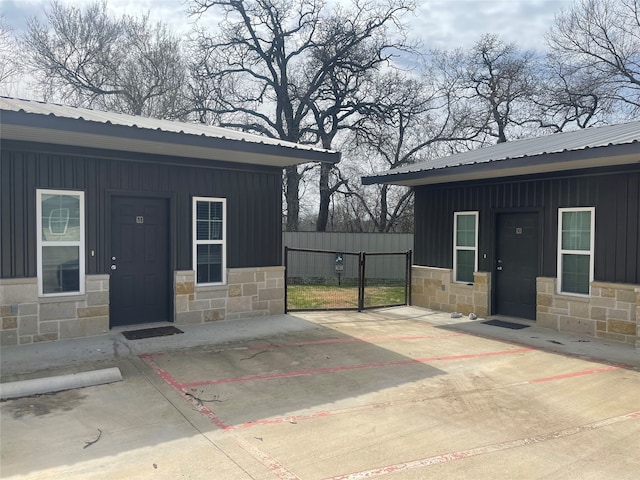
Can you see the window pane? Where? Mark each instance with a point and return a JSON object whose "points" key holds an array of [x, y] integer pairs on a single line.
{"points": [[209, 220], [576, 230], [466, 231], [209, 264], [60, 217], [60, 269], [465, 265], [575, 273]]}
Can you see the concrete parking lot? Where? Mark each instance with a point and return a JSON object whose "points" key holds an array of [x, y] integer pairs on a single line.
{"points": [[396, 393]]}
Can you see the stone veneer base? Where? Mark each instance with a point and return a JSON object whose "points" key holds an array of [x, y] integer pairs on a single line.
{"points": [[26, 318], [434, 288], [249, 292], [611, 312]]}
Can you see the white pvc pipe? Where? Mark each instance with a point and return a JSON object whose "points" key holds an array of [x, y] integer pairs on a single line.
{"points": [[36, 386]]}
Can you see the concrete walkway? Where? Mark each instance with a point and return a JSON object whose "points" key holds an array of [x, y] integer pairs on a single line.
{"points": [[395, 393]]}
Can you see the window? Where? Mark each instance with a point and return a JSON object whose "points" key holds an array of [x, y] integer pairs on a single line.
{"points": [[465, 246], [60, 231], [576, 227], [209, 236]]}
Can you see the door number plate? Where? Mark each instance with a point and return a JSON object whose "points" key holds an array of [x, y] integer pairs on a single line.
{"points": [[140, 219], [518, 230]]}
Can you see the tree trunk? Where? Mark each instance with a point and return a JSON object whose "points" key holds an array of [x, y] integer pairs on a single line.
{"points": [[325, 198], [292, 187], [384, 209]]}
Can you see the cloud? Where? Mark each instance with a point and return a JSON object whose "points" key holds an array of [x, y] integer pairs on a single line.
{"points": [[448, 24], [16, 12]]}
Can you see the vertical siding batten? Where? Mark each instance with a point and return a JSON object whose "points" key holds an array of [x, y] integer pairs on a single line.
{"points": [[616, 197], [252, 198]]}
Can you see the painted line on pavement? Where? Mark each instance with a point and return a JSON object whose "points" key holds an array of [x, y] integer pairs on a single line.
{"points": [[576, 374], [353, 340], [190, 398], [273, 465], [319, 371], [473, 452], [328, 413], [204, 410]]}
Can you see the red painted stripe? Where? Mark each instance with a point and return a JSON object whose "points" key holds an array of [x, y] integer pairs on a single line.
{"points": [[273, 465], [483, 450], [167, 377], [350, 410], [290, 419], [352, 340], [271, 376], [575, 374]]}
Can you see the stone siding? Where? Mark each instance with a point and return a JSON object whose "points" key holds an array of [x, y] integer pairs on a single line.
{"points": [[434, 288], [250, 292], [612, 311], [26, 318]]}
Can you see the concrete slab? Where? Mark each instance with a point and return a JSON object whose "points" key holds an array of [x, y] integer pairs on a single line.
{"points": [[401, 393]]}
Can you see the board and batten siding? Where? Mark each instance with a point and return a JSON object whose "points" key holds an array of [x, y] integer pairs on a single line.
{"points": [[616, 197], [253, 207]]}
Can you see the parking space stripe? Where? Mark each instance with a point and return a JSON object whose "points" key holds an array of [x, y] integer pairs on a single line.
{"points": [[274, 466], [352, 340], [576, 374], [327, 413], [473, 452], [204, 410], [319, 371], [197, 404]]}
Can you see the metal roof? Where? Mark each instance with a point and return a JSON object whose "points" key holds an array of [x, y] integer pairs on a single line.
{"points": [[586, 148], [36, 121]]}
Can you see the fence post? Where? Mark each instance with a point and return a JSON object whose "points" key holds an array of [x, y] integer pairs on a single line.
{"points": [[286, 263], [407, 282], [361, 277]]}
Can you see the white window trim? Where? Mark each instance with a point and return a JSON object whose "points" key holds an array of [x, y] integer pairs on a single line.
{"points": [[476, 213], [45, 243], [592, 237], [197, 242]]}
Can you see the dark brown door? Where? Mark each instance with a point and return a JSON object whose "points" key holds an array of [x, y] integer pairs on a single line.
{"points": [[517, 257], [140, 269]]}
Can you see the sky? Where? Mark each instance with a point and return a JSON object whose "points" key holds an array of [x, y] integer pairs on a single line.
{"points": [[443, 24], [436, 24]]}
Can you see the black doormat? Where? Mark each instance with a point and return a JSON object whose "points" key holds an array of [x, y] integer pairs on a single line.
{"points": [[151, 332], [501, 323]]}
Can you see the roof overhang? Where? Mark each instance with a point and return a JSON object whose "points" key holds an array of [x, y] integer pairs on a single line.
{"points": [[78, 132], [605, 156]]}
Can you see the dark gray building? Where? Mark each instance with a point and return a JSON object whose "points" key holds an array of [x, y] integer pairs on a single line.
{"points": [[545, 229], [110, 220]]}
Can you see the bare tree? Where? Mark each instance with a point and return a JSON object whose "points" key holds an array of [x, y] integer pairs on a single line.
{"points": [[570, 97], [600, 41], [292, 69], [413, 118], [87, 57], [503, 80], [9, 56]]}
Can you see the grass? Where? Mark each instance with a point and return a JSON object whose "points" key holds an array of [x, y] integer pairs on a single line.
{"points": [[321, 297]]}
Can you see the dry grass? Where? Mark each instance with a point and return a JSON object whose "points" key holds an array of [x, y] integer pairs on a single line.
{"points": [[324, 297]]}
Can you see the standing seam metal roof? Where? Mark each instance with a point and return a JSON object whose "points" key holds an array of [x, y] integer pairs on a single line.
{"points": [[584, 139], [145, 123]]}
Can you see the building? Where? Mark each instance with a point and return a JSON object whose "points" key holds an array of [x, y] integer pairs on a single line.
{"points": [[113, 220], [545, 229]]}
